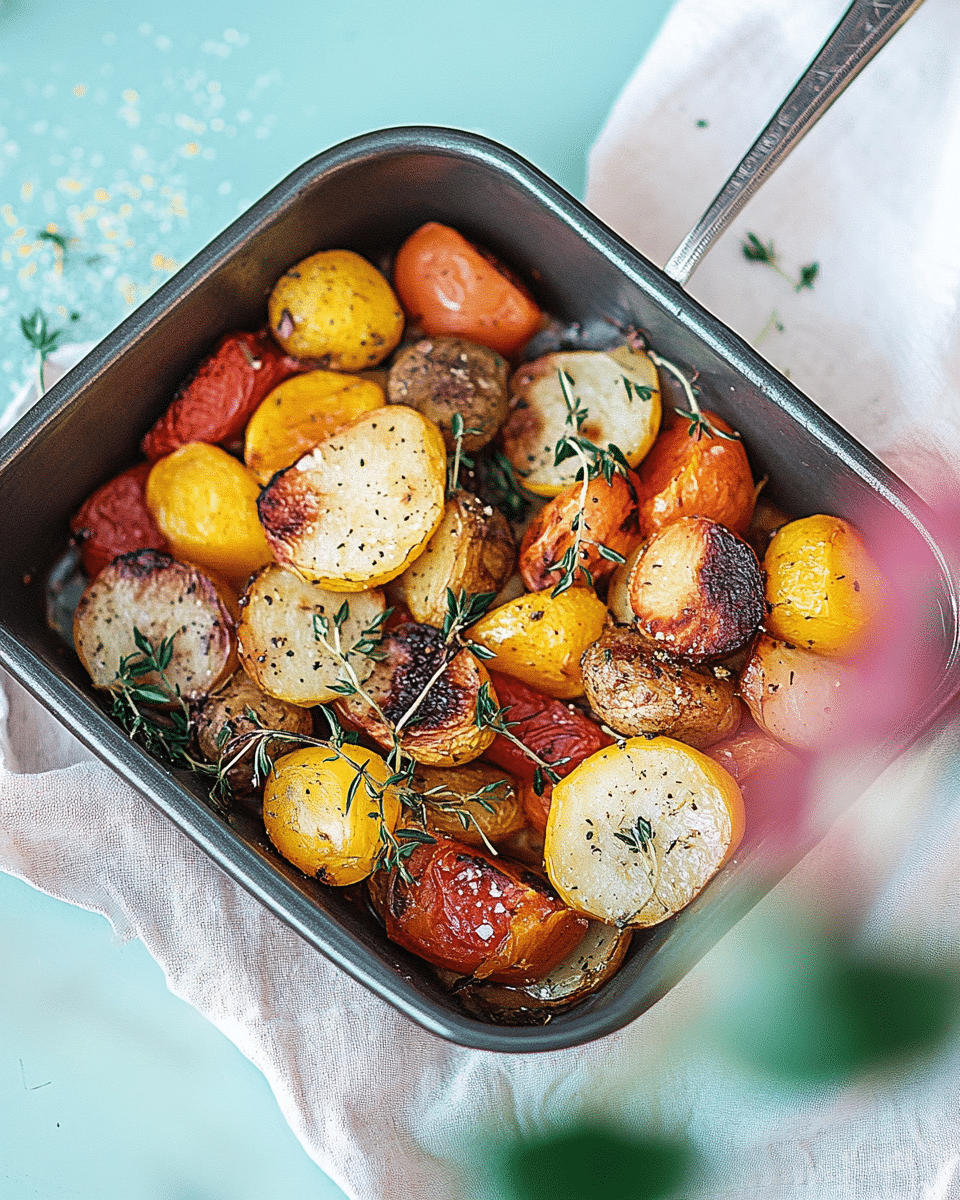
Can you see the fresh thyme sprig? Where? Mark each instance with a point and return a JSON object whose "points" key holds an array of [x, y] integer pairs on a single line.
{"points": [[763, 252], [459, 458], [490, 715], [700, 425], [59, 240], [638, 836], [42, 338], [500, 486]]}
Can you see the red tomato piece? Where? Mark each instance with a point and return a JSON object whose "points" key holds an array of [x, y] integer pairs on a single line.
{"points": [[551, 729], [217, 402], [478, 915], [449, 286], [115, 520]]}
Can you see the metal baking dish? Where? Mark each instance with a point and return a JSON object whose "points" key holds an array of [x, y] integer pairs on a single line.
{"points": [[367, 194]]}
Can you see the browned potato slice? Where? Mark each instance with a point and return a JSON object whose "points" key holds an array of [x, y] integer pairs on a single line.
{"points": [[636, 689], [449, 791], [798, 697], [231, 705], [620, 392], [586, 969], [149, 591], [358, 509], [697, 589], [443, 731], [471, 551], [443, 376], [281, 616]]}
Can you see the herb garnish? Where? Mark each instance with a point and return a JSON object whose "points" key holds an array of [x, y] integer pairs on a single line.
{"points": [[42, 338], [763, 252], [638, 835]]}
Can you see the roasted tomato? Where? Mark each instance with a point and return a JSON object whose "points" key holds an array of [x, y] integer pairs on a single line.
{"points": [[116, 520], [693, 475], [449, 286], [610, 521], [554, 731], [487, 918], [215, 405]]}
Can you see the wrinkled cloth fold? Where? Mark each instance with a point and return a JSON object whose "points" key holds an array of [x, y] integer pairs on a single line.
{"points": [[392, 1112]]}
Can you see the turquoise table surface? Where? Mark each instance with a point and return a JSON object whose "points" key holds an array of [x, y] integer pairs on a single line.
{"points": [[130, 134]]}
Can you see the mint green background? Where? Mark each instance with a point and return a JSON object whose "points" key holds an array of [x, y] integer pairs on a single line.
{"points": [[140, 130]]}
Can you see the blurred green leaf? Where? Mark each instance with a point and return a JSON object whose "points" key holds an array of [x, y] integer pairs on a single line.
{"points": [[589, 1162]]}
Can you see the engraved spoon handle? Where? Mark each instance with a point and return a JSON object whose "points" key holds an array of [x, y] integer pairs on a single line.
{"points": [[864, 28]]}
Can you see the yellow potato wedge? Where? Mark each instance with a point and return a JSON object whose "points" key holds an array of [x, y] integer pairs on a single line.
{"points": [[358, 509], [637, 830], [620, 392]]}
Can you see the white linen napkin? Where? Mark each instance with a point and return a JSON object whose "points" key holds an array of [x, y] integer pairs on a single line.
{"points": [[391, 1112]]}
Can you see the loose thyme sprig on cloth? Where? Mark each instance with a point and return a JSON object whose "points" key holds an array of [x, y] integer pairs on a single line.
{"points": [[754, 250], [42, 338]]}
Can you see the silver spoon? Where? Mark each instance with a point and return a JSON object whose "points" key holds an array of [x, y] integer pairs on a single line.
{"points": [[864, 28]]}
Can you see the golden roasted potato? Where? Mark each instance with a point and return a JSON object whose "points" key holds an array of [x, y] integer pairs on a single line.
{"points": [[229, 707], [449, 791], [636, 689], [321, 819], [620, 391], [446, 376], [539, 638], [610, 521], [149, 592], [299, 413], [800, 698], [472, 551], [823, 590], [637, 831], [281, 617], [443, 731], [358, 509], [336, 309], [696, 589], [205, 504], [691, 474], [618, 590]]}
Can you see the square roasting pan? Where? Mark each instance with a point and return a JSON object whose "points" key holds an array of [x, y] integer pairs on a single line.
{"points": [[367, 195]]}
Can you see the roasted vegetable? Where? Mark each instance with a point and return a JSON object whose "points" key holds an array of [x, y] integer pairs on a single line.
{"points": [[696, 588], [239, 707], [800, 698], [150, 592], [689, 473], [748, 751], [539, 638], [336, 309], [205, 504], [608, 529], [301, 412], [445, 377], [479, 916], [282, 622], [823, 590], [636, 831], [476, 803], [215, 405], [357, 510], [472, 551], [636, 689], [115, 520], [322, 819], [449, 286], [605, 398], [442, 730]]}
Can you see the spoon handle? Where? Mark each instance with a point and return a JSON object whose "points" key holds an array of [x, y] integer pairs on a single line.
{"points": [[864, 28]]}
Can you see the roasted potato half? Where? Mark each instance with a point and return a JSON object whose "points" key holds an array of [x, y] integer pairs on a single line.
{"points": [[798, 697], [479, 916], [637, 830], [281, 622], [358, 509], [636, 689], [476, 803], [696, 588], [442, 732], [620, 392], [229, 708], [539, 638], [150, 592], [472, 551], [443, 377]]}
